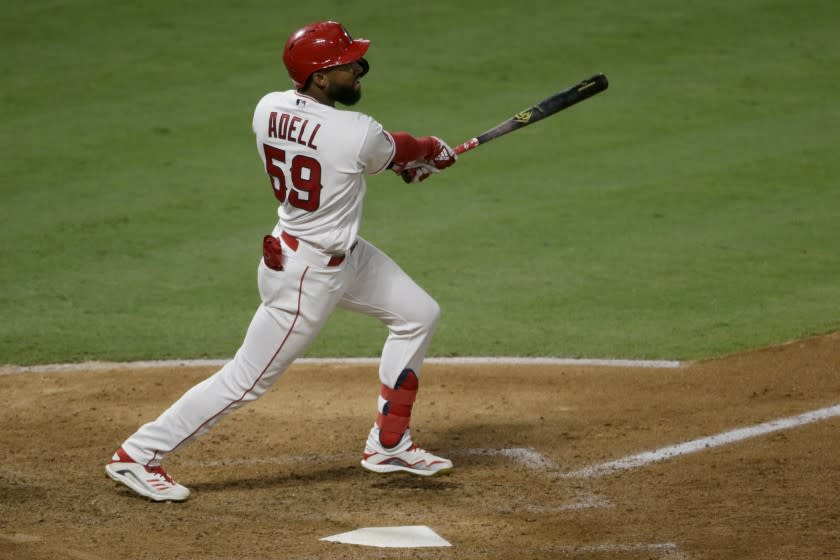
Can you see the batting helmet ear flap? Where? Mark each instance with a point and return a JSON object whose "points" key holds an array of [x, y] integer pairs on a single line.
{"points": [[365, 66]]}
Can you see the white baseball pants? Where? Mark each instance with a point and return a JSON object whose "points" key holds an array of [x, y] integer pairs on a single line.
{"points": [[296, 303]]}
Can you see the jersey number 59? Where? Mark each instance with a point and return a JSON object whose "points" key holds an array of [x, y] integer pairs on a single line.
{"points": [[305, 174]]}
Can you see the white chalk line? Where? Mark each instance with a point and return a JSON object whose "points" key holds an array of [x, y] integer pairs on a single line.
{"points": [[533, 460], [21, 538], [663, 550], [281, 460], [25, 539], [525, 456], [724, 438], [638, 547], [475, 360], [583, 500]]}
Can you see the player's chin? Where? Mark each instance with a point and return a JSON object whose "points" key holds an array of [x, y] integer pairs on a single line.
{"points": [[350, 97]]}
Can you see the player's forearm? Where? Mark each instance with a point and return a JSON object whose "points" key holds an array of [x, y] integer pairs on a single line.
{"points": [[409, 148]]}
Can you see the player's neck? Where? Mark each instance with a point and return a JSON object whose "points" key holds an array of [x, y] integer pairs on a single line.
{"points": [[318, 95]]}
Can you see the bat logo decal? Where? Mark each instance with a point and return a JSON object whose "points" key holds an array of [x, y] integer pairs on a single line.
{"points": [[522, 117]]}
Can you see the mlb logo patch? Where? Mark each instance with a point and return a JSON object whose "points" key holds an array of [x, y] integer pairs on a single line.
{"points": [[300, 102]]}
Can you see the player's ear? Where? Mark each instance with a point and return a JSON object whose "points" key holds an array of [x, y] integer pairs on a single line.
{"points": [[319, 79]]}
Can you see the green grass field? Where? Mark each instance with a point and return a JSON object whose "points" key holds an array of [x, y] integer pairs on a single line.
{"points": [[691, 210]]}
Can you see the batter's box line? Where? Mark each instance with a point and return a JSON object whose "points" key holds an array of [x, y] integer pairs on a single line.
{"points": [[701, 444], [533, 460], [251, 461], [525, 456], [661, 550]]}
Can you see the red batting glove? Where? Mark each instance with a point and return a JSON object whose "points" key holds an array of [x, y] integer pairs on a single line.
{"points": [[439, 156], [443, 156]]}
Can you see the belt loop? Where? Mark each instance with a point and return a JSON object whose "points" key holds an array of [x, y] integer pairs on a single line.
{"points": [[290, 240], [312, 255]]}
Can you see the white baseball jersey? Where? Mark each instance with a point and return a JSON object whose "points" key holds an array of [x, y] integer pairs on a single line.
{"points": [[316, 157]]}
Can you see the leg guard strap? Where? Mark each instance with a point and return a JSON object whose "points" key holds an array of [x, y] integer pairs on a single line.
{"points": [[391, 425], [405, 389], [395, 417]]}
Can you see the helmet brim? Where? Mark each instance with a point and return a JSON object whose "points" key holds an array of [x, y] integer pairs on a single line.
{"points": [[355, 51]]}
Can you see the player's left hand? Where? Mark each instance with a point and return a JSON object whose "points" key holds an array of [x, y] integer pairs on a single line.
{"points": [[439, 157], [443, 156], [415, 171]]}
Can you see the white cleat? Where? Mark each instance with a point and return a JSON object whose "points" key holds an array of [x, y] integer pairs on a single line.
{"points": [[413, 460], [150, 482]]}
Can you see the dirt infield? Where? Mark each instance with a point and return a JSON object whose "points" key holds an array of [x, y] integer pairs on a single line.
{"points": [[274, 478]]}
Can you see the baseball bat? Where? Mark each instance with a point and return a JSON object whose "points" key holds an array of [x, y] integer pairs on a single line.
{"points": [[545, 108]]}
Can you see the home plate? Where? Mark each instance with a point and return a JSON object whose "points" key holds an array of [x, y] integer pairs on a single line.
{"points": [[410, 536]]}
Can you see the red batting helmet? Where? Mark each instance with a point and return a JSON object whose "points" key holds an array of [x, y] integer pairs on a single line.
{"points": [[321, 45]]}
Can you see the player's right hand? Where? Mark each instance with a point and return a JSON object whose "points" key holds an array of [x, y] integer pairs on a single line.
{"points": [[415, 171]]}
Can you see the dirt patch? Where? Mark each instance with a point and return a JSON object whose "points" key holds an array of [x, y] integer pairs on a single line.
{"points": [[275, 477]]}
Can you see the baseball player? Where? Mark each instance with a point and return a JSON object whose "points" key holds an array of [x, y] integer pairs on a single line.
{"points": [[316, 158]]}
